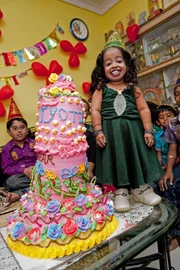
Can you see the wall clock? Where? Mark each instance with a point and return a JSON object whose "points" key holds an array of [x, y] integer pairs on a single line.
{"points": [[79, 29]]}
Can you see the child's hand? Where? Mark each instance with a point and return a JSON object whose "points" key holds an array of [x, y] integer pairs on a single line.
{"points": [[163, 181], [101, 140], [28, 171], [149, 139]]}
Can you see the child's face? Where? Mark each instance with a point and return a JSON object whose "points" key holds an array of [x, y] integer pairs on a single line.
{"points": [[18, 131], [114, 65], [177, 95], [164, 117]]}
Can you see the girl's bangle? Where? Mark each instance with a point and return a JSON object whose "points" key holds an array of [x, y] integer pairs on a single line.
{"points": [[149, 131], [96, 125], [98, 132]]}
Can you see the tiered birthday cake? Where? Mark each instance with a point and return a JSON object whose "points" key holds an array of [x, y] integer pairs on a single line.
{"points": [[64, 212]]}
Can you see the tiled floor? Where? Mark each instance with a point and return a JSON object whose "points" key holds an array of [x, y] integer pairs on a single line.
{"points": [[175, 257]]}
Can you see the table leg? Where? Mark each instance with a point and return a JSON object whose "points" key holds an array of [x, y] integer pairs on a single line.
{"points": [[163, 248]]}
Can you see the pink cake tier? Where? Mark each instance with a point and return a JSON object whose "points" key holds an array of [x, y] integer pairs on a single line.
{"points": [[64, 212]]}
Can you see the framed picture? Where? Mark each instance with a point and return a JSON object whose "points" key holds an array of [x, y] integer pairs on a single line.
{"points": [[167, 3]]}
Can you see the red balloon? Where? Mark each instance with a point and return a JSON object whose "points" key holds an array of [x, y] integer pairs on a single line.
{"points": [[80, 48], [66, 46], [55, 67], [74, 60], [132, 32], [2, 110], [6, 92], [86, 87], [39, 69], [1, 14]]}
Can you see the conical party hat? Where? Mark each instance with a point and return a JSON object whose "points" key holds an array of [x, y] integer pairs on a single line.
{"points": [[14, 112], [114, 40]]}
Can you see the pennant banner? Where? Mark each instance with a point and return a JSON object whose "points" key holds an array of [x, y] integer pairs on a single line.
{"points": [[34, 51], [13, 79]]}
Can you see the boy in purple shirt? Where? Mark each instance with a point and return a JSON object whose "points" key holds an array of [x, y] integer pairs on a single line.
{"points": [[18, 159]]}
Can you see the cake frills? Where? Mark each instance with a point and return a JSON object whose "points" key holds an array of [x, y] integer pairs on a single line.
{"points": [[64, 211], [55, 250]]}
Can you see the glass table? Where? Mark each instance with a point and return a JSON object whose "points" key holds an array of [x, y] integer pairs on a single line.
{"points": [[120, 251]]}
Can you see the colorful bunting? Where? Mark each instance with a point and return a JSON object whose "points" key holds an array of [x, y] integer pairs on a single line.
{"points": [[34, 51]]}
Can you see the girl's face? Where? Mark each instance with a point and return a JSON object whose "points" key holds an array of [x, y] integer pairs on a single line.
{"points": [[164, 117], [114, 65], [177, 95]]}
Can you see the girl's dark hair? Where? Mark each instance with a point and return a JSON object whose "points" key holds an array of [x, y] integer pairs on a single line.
{"points": [[10, 122], [163, 108], [99, 78]]}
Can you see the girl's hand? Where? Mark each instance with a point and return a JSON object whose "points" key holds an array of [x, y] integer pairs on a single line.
{"points": [[101, 140], [149, 139]]}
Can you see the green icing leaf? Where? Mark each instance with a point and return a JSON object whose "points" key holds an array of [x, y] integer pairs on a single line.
{"points": [[44, 189], [67, 183], [89, 204], [44, 213], [83, 189], [28, 229], [45, 230], [93, 226], [26, 240], [78, 209], [63, 209], [62, 224], [63, 236], [43, 183], [22, 210], [78, 233], [31, 213], [44, 237], [70, 189]]}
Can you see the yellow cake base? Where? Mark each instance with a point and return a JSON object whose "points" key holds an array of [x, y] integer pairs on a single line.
{"points": [[54, 250]]}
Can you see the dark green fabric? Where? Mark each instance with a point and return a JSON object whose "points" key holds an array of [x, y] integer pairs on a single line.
{"points": [[126, 159]]}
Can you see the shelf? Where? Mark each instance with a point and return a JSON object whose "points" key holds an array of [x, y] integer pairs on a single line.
{"points": [[157, 20], [159, 66]]}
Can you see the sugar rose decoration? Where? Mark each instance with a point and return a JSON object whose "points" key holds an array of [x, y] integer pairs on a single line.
{"points": [[34, 235], [53, 77]]}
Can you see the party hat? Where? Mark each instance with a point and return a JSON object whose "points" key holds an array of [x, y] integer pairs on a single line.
{"points": [[114, 40], [14, 112]]}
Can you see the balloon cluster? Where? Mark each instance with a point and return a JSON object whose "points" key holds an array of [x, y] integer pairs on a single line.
{"points": [[6, 92], [79, 48], [1, 16], [41, 71]]}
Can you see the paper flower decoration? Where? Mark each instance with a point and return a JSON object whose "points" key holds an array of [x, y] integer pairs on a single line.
{"points": [[41, 71], [79, 48]]}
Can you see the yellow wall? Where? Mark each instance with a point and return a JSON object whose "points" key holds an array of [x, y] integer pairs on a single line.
{"points": [[27, 22]]}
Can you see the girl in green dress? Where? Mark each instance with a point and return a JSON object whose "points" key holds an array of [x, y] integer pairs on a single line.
{"points": [[123, 129]]}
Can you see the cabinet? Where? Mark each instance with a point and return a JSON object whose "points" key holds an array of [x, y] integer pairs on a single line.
{"points": [[157, 55]]}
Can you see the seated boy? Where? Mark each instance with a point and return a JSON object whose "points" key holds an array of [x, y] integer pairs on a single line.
{"points": [[164, 113], [18, 159]]}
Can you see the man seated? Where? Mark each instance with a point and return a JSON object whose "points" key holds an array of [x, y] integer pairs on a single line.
{"points": [[18, 159]]}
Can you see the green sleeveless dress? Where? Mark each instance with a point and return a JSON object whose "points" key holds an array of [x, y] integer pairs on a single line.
{"points": [[126, 159]]}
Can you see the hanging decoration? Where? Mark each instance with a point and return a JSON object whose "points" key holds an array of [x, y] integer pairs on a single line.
{"points": [[79, 48], [6, 92], [32, 52], [41, 71], [15, 78], [86, 87], [132, 29]]}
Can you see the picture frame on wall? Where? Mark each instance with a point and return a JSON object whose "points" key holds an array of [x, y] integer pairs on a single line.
{"points": [[167, 3]]}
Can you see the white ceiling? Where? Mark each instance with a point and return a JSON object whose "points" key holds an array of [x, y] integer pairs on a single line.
{"points": [[97, 6]]}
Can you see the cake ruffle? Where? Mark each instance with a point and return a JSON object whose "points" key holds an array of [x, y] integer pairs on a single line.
{"points": [[75, 246]]}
